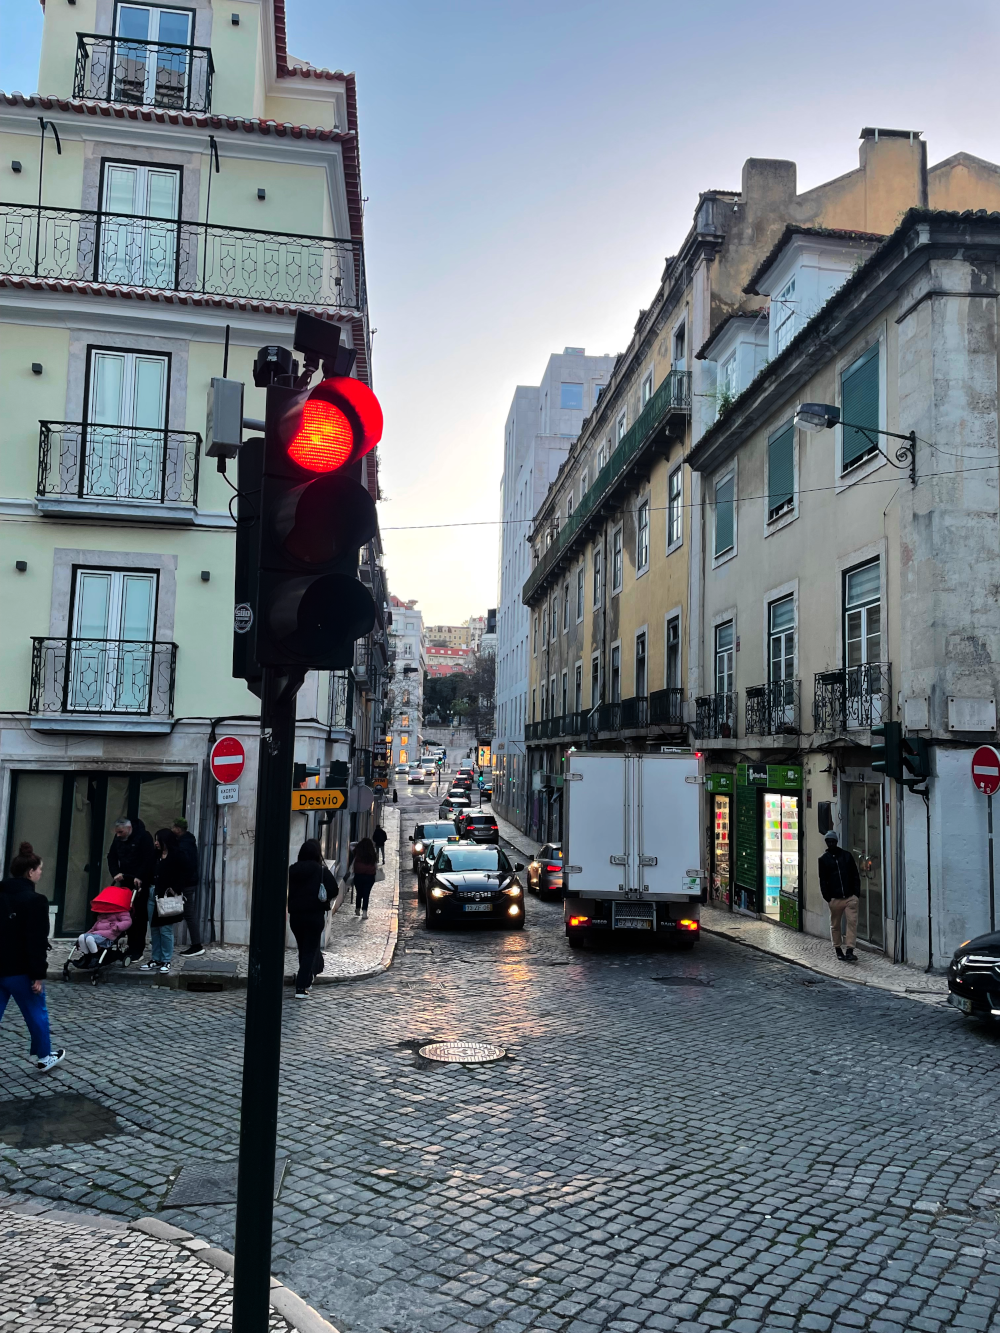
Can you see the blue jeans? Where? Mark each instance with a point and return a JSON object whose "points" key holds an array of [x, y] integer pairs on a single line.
{"points": [[32, 1009], [161, 937]]}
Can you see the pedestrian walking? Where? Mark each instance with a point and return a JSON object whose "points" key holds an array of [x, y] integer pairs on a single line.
{"points": [[840, 885], [311, 892], [380, 838], [131, 861], [395, 797], [168, 884], [365, 860], [187, 850], [24, 944]]}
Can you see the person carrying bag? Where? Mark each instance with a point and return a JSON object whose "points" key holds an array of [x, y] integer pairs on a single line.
{"points": [[365, 862], [312, 890]]}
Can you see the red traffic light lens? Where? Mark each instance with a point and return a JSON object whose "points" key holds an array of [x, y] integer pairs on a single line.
{"points": [[324, 439]]}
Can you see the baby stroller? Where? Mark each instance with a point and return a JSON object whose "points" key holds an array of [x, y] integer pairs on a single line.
{"points": [[115, 898]]}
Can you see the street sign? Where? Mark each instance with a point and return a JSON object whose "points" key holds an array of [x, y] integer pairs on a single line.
{"points": [[986, 770], [227, 759], [319, 798], [227, 793]]}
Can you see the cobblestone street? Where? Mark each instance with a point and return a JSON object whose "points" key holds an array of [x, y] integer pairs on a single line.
{"points": [[684, 1141]]}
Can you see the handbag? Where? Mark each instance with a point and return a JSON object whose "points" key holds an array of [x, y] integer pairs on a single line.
{"points": [[170, 907]]}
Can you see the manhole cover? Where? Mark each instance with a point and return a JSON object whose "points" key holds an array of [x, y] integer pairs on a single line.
{"points": [[462, 1052], [683, 981], [213, 1182]]}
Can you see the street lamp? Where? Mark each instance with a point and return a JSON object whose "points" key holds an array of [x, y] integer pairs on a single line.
{"points": [[823, 416]]}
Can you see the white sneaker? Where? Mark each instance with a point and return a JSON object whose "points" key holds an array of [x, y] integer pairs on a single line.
{"points": [[48, 1062], [301, 994], [149, 967], [162, 967]]}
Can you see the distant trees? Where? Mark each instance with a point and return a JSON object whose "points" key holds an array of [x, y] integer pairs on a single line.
{"points": [[469, 695]]}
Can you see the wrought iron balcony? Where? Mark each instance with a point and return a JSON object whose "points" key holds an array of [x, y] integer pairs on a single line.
{"points": [[853, 698], [635, 712], [606, 717], [94, 462], [666, 708], [143, 73], [715, 716], [160, 254], [102, 676], [672, 398], [773, 709]]}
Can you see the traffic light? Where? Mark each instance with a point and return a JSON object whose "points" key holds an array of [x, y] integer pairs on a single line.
{"points": [[339, 773], [888, 757], [314, 517], [916, 760], [302, 772]]}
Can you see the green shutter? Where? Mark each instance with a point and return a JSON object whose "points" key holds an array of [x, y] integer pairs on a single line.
{"points": [[724, 518], [780, 471], [859, 404]]}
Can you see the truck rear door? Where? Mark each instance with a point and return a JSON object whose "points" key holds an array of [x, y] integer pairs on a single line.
{"points": [[596, 805], [668, 833]]}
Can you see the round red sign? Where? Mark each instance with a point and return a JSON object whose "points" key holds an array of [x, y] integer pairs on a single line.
{"points": [[227, 759], [986, 770]]}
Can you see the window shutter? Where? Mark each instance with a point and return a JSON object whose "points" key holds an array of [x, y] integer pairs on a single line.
{"points": [[859, 405], [780, 471], [724, 515]]}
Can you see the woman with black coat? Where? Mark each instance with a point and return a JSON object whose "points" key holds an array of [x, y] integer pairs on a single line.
{"points": [[24, 944], [169, 877], [311, 892]]}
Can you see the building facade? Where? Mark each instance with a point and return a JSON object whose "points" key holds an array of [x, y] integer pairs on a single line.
{"points": [[409, 666], [170, 209], [442, 661], [541, 425]]}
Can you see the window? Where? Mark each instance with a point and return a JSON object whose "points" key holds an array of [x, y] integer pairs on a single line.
{"points": [[616, 674], [571, 397], [533, 702], [534, 635], [580, 579], [602, 455], [404, 721], [780, 471], [725, 515], [569, 506], [859, 394], [544, 701], [640, 664], [409, 627], [138, 232], [583, 484], [126, 427], [783, 314], [781, 637], [552, 697], [595, 681], [675, 507], [646, 392], [620, 428], [598, 588], [152, 75], [111, 663], [863, 615], [578, 689], [565, 608], [598, 389], [565, 693], [679, 362], [642, 538], [617, 560], [554, 620], [729, 377], [725, 643], [674, 653]]}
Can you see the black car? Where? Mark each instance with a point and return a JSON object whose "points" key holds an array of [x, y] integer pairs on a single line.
{"points": [[426, 863], [476, 827], [545, 872], [974, 976], [471, 883], [422, 833]]}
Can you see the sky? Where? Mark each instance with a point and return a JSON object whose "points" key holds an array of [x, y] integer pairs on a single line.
{"points": [[528, 167]]}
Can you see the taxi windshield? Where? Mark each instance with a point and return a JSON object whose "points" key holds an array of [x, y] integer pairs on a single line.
{"points": [[460, 859]]}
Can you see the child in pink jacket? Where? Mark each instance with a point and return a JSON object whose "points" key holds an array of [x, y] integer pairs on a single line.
{"points": [[113, 919]]}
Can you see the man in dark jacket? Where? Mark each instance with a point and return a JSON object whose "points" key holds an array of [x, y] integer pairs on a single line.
{"points": [[132, 862], [187, 850], [380, 838], [840, 885]]}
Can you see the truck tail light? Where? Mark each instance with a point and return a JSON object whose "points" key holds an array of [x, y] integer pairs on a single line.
{"points": [[687, 924], [579, 921]]}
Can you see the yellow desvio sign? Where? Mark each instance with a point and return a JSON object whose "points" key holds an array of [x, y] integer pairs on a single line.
{"points": [[319, 798]]}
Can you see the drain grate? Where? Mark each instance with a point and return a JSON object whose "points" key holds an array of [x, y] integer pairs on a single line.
{"points": [[202, 1183], [683, 981], [462, 1052]]}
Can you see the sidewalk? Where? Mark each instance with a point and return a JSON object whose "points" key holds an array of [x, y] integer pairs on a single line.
{"points": [[512, 834], [353, 949], [90, 1271]]}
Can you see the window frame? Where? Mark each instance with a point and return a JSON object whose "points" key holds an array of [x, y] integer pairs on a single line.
{"points": [[646, 388], [729, 553], [616, 657], [534, 635], [678, 541], [641, 530], [581, 591], [570, 384], [578, 685], [780, 516], [565, 615], [672, 618], [617, 559], [855, 567], [726, 621], [866, 466], [641, 636], [621, 426], [595, 674], [597, 584]]}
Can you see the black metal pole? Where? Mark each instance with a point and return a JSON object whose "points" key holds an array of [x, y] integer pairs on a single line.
{"points": [[262, 1038], [993, 905]]}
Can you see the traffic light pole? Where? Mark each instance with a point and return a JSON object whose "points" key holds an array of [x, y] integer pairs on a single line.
{"points": [[262, 1037]]}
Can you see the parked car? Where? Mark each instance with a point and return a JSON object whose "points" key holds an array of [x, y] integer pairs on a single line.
{"points": [[476, 827], [452, 804], [416, 775], [431, 849], [974, 977], [470, 883], [545, 872], [423, 833]]}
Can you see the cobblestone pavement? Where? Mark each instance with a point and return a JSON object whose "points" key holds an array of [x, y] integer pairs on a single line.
{"points": [[687, 1141]]}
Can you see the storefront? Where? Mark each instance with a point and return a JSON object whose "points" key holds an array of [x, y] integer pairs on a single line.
{"points": [[719, 788], [768, 838]]}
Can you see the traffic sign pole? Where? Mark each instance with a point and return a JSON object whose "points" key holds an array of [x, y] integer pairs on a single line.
{"points": [[989, 826], [986, 778]]}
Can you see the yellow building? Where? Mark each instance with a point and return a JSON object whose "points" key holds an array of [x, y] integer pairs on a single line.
{"points": [[616, 590], [179, 189]]}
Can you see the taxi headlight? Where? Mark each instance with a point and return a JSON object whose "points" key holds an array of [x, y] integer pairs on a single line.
{"points": [[418, 846], [513, 890], [438, 892]]}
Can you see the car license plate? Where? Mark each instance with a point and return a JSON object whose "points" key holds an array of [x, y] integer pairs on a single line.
{"points": [[960, 1002], [478, 907], [633, 925]]}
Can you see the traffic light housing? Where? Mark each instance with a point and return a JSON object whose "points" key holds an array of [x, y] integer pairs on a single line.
{"points": [[887, 758], [916, 760], [302, 772]]}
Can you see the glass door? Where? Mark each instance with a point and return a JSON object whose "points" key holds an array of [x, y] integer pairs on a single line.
{"points": [[139, 225], [111, 647], [781, 850], [720, 851], [864, 841], [781, 665], [126, 421], [863, 645], [153, 68]]}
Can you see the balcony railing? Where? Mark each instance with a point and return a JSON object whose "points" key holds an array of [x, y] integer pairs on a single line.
{"points": [[159, 254], [606, 717], [666, 708], [96, 462], [102, 676], [852, 698], [143, 73], [673, 395], [635, 712], [715, 716], [773, 709]]}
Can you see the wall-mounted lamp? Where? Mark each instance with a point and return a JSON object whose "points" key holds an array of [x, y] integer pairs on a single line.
{"points": [[206, 574], [236, 20], [20, 566], [261, 194], [36, 367], [16, 167]]}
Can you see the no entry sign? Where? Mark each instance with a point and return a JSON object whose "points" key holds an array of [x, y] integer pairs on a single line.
{"points": [[986, 770], [227, 759]]}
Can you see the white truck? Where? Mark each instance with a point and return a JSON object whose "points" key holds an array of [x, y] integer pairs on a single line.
{"points": [[632, 845]]}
